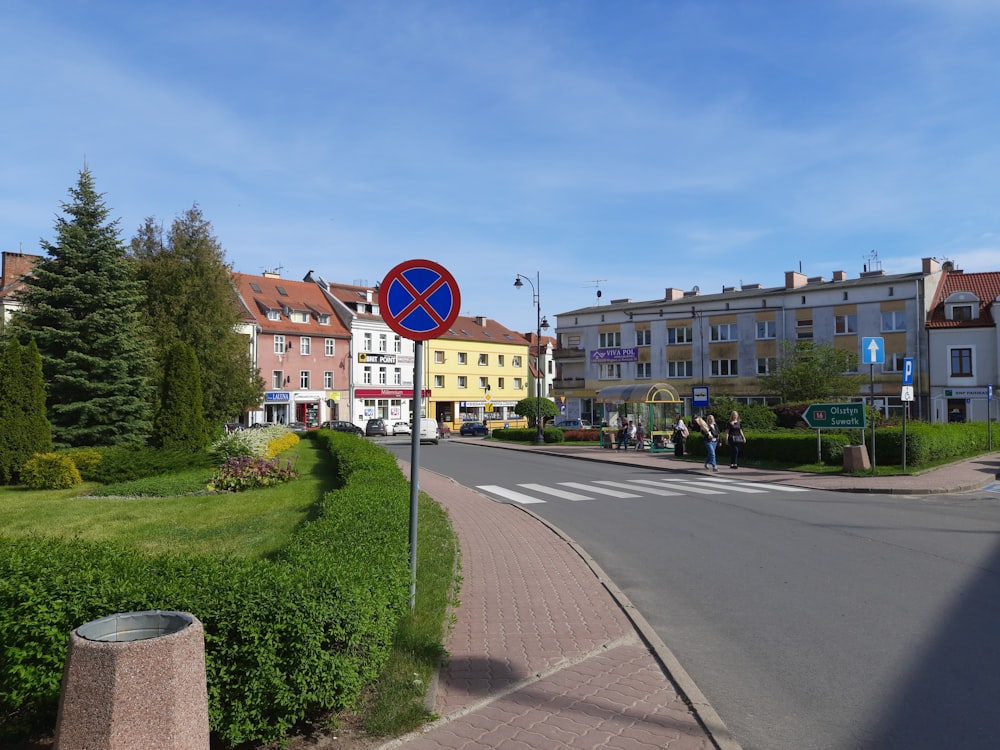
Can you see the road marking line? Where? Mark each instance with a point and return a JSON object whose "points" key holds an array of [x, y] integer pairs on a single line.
{"points": [[564, 494], [517, 497], [681, 485], [598, 490], [652, 490]]}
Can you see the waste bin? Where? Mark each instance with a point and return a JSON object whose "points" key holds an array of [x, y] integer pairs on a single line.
{"points": [[135, 680]]}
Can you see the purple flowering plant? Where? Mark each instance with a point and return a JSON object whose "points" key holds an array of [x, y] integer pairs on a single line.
{"points": [[241, 473]]}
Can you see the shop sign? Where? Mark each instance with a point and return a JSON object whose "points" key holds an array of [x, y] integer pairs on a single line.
{"points": [[376, 358], [615, 354], [276, 396], [388, 393]]}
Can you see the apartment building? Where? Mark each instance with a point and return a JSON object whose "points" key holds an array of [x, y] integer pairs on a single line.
{"points": [[478, 370], [14, 268], [301, 350], [725, 341], [963, 343]]}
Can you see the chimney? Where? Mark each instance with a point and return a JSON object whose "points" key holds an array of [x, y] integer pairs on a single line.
{"points": [[930, 265], [794, 279], [481, 321], [840, 275], [672, 293]]}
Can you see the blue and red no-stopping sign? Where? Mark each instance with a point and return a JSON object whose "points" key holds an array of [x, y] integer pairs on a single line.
{"points": [[419, 299]]}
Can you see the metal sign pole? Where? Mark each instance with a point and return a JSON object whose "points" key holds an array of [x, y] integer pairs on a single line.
{"points": [[417, 401], [871, 396]]}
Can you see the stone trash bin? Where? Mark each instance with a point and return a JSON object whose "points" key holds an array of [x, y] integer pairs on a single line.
{"points": [[135, 681]]}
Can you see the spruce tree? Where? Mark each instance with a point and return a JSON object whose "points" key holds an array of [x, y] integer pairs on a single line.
{"points": [[83, 306], [179, 422], [191, 297], [24, 429]]}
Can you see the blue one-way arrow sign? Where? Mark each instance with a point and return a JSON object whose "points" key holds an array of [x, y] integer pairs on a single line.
{"points": [[873, 350]]}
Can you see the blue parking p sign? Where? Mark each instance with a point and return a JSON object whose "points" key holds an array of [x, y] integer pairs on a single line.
{"points": [[908, 371]]}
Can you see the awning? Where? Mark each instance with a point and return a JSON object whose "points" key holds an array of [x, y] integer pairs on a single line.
{"points": [[637, 394]]}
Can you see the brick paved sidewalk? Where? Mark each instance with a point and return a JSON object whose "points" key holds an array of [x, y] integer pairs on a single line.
{"points": [[542, 654]]}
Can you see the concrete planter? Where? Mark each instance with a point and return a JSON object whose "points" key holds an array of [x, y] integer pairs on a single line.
{"points": [[135, 680]]}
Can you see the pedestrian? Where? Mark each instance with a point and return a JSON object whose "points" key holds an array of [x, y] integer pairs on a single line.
{"points": [[631, 434], [640, 436], [622, 437], [711, 442], [679, 436], [735, 438]]}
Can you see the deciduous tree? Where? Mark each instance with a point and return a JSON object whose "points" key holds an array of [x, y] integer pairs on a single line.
{"points": [[809, 371]]}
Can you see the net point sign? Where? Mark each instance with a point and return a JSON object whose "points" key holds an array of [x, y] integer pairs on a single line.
{"points": [[835, 416]]}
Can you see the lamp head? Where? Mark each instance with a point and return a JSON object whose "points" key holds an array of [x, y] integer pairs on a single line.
{"points": [[544, 324], [517, 282]]}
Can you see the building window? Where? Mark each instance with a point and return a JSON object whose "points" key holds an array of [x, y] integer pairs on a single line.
{"points": [[724, 367], [484, 383], [300, 317], [439, 381], [327, 380], [610, 340], [893, 362], [643, 370], [767, 329], [462, 383], [804, 329], [368, 342], [463, 358], [277, 378], [438, 357], [611, 371], [397, 376], [279, 344], [500, 383], [304, 379], [329, 347], [381, 376], [324, 319], [845, 324], [366, 375], [305, 345], [893, 321], [765, 365], [499, 360], [961, 362], [681, 335], [273, 315], [643, 337], [516, 360], [682, 369], [961, 312], [397, 345], [484, 359], [724, 332], [383, 342]]}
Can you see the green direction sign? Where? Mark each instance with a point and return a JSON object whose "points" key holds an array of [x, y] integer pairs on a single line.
{"points": [[835, 416]]}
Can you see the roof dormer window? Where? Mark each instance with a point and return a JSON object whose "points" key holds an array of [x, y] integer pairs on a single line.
{"points": [[961, 306]]}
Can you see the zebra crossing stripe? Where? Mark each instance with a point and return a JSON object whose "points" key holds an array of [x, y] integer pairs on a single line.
{"points": [[649, 490], [687, 487], [728, 483], [598, 490], [564, 494], [517, 497]]}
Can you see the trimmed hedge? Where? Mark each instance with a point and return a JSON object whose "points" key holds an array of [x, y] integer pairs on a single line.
{"points": [[286, 640], [528, 434]]}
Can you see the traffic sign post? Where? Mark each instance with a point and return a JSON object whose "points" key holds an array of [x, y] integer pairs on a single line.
{"points": [[419, 300], [872, 353], [834, 416]]}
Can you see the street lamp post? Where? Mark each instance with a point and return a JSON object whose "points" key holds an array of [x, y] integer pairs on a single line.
{"points": [[540, 323]]}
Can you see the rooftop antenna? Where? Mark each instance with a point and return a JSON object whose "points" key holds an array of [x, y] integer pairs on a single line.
{"points": [[873, 264], [596, 284]]}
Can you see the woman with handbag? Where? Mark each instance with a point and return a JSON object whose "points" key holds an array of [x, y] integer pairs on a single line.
{"points": [[735, 438]]}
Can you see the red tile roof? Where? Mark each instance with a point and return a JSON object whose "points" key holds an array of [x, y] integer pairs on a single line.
{"points": [[985, 286], [263, 293]]}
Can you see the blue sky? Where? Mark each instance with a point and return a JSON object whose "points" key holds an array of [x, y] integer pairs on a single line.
{"points": [[632, 145]]}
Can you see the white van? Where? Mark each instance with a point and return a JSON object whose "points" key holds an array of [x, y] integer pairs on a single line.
{"points": [[428, 431]]}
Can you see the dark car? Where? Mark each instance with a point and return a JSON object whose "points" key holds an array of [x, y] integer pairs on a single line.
{"points": [[474, 429], [296, 426], [572, 424], [376, 427], [342, 426]]}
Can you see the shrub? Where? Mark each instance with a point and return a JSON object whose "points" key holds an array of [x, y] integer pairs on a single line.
{"points": [[281, 444], [528, 434], [251, 472], [86, 460], [123, 463], [232, 445], [50, 471]]}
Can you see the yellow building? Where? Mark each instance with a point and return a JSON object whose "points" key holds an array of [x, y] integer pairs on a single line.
{"points": [[477, 370]]}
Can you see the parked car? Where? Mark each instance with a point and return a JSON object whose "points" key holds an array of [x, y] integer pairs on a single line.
{"points": [[401, 428], [573, 424], [376, 427], [473, 428], [342, 426]]}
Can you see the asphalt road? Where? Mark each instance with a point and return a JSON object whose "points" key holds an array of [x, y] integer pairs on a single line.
{"points": [[809, 619]]}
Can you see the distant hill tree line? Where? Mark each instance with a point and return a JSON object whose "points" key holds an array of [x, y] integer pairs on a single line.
{"points": [[120, 343]]}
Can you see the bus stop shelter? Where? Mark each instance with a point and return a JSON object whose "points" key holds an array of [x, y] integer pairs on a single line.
{"points": [[657, 406]]}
